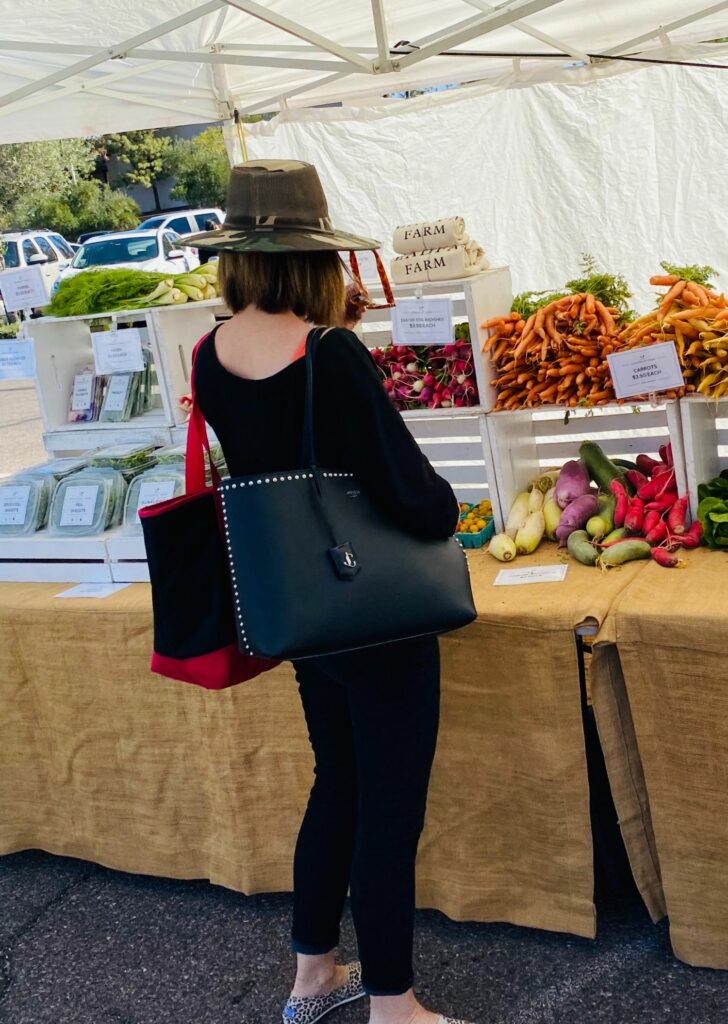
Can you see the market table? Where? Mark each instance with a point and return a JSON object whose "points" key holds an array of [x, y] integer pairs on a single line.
{"points": [[670, 677], [101, 760]]}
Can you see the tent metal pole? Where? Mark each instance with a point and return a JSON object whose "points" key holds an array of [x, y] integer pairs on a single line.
{"points": [[535, 33], [206, 57], [301, 32], [270, 102], [472, 28], [111, 52], [689, 19], [380, 28]]}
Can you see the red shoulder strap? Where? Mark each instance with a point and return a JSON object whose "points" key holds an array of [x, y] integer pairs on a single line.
{"points": [[197, 440]]}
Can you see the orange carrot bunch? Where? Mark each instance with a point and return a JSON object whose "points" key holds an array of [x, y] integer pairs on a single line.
{"points": [[696, 319], [556, 357]]}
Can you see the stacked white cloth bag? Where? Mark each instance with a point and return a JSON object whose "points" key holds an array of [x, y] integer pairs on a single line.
{"points": [[440, 250]]}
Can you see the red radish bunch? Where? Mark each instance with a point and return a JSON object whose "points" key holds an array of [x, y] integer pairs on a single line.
{"points": [[656, 512], [429, 378]]}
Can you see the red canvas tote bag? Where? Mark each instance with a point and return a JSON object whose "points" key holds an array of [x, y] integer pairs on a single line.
{"points": [[195, 637]]}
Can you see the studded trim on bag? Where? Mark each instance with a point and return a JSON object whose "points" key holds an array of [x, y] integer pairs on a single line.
{"points": [[233, 485], [308, 1009]]}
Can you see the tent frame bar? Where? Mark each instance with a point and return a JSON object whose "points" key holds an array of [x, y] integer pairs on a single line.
{"points": [[535, 33], [689, 19], [470, 28], [111, 53], [293, 28]]}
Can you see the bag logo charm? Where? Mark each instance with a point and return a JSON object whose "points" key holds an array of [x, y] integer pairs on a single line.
{"points": [[345, 561]]}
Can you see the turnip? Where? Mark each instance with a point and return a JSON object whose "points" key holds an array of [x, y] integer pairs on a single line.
{"points": [[576, 515], [573, 482]]}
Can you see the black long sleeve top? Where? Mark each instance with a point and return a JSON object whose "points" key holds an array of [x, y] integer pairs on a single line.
{"points": [[259, 424]]}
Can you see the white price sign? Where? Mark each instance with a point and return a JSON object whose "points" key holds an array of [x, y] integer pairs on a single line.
{"points": [[17, 359], [82, 392], [118, 351], [536, 574], [422, 322], [153, 491], [78, 505], [14, 504], [640, 371], [116, 395], [26, 288], [94, 590]]}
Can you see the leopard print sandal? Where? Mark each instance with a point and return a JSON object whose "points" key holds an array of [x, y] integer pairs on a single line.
{"points": [[308, 1009]]}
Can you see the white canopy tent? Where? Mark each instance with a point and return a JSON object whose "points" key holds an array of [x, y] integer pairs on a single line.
{"points": [[75, 68]]}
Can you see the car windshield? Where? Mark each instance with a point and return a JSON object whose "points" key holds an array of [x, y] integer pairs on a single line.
{"points": [[108, 251], [9, 254], [152, 222]]}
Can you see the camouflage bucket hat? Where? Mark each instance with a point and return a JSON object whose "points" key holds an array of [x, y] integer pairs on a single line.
{"points": [[277, 206]]}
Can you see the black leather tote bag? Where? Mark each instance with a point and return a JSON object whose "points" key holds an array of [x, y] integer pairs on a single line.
{"points": [[317, 569]]}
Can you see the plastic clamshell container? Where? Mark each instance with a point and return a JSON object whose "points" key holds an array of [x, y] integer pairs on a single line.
{"points": [[87, 503], [57, 469], [158, 484], [123, 456], [24, 501], [171, 455]]}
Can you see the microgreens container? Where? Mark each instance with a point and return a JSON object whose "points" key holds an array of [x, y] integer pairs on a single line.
{"points": [[24, 503], [159, 484], [88, 502]]}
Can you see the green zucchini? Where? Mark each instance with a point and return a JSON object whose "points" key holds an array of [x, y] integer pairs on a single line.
{"points": [[625, 464], [580, 547], [601, 469]]}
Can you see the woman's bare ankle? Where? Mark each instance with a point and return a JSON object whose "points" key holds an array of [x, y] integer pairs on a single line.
{"points": [[403, 1009], [316, 975]]}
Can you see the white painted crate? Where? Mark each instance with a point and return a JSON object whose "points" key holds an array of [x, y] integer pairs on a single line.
{"points": [[127, 558], [455, 440], [705, 435], [43, 558], [525, 442], [62, 348]]}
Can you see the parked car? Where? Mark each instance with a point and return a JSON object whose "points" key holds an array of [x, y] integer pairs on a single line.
{"points": [[158, 251], [48, 249], [28, 248], [92, 234], [185, 222]]}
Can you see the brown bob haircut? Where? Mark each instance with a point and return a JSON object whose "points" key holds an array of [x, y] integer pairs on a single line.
{"points": [[309, 284]]}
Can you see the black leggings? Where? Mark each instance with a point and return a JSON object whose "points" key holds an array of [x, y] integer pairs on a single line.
{"points": [[372, 719]]}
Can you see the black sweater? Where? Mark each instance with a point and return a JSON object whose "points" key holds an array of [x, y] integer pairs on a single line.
{"points": [[259, 424]]}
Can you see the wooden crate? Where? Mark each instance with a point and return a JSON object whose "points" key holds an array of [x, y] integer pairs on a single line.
{"points": [[526, 442], [705, 436], [44, 558]]}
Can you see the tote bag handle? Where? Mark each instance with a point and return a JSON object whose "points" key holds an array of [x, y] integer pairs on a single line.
{"points": [[198, 442]]}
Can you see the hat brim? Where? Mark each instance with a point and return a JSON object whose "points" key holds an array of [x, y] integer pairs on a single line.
{"points": [[277, 241]]}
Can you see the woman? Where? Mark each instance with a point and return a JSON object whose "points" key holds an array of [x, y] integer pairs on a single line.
{"points": [[372, 716]]}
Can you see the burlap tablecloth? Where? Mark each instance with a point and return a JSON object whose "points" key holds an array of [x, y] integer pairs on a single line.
{"points": [[101, 760], [669, 684]]}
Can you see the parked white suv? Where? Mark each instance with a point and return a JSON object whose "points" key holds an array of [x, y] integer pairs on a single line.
{"points": [[159, 251], [28, 248], [48, 249], [184, 222]]}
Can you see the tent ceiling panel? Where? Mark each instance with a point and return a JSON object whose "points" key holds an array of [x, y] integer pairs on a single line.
{"points": [[113, 66]]}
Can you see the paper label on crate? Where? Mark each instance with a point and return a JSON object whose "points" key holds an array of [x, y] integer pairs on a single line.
{"points": [[94, 590], [535, 574], [17, 359], [116, 395], [118, 351], [25, 288], [82, 398], [422, 322], [153, 491], [78, 505], [639, 371], [14, 504]]}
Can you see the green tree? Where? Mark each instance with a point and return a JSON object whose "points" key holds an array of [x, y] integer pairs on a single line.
{"points": [[47, 167], [85, 206], [201, 168], [144, 153]]}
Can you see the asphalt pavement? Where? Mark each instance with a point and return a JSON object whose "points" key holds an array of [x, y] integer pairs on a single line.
{"points": [[82, 944], [21, 431]]}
